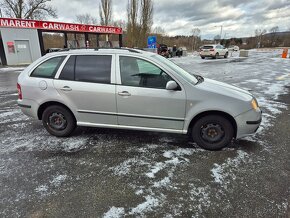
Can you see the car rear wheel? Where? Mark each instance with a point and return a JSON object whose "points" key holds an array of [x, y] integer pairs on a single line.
{"points": [[58, 121], [226, 55], [202, 57], [216, 56], [213, 132]]}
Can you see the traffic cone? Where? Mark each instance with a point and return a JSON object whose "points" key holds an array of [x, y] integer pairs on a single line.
{"points": [[285, 53]]}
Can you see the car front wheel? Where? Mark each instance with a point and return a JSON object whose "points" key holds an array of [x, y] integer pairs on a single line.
{"points": [[213, 132], [58, 121]]}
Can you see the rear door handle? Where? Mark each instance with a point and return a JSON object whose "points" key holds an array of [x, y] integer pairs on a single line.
{"points": [[125, 93], [66, 89]]}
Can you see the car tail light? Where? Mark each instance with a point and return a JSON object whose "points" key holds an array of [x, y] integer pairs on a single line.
{"points": [[211, 49], [201, 49], [19, 91]]}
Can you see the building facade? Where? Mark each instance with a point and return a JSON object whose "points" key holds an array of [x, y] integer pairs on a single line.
{"points": [[21, 41]]}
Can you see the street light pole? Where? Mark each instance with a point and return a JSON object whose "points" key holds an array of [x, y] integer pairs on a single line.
{"points": [[221, 31], [221, 26]]}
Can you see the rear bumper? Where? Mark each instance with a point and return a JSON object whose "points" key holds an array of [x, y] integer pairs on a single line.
{"points": [[29, 107], [248, 123], [207, 55]]}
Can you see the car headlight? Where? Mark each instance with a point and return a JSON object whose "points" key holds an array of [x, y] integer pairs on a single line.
{"points": [[255, 104]]}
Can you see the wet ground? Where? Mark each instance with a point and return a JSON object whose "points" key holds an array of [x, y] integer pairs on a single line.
{"points": [[113, 173]]}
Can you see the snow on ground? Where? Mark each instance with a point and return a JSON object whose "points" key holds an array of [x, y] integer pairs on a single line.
{"points": [[11, 69], [158, 163], [115, 212], [223, 173]]}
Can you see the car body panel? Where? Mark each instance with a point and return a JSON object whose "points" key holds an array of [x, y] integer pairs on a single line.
{"points": [[148, 109]]}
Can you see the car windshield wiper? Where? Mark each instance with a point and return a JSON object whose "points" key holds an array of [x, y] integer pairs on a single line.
{"points": [[199, 78]]}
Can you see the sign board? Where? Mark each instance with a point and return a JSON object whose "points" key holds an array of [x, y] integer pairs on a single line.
{"points": [[47, 25], [152, 42]]}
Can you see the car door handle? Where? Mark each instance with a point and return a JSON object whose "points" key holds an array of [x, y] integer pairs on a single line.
{"points": [[66, 89], [125, 93]]}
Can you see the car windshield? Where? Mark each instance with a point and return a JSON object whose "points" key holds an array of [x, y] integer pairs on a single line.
{"points": [[181, 72]]}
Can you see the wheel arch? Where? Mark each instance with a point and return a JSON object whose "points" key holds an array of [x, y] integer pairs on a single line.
{"points": [[51, 103], [214, 112]]}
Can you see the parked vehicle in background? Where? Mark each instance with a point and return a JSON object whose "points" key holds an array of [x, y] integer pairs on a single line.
{"points": [[50, 50], [233, 48], [163, 50], [135, 90], [213, 51]]}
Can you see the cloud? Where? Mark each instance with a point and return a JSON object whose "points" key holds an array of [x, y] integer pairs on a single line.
{"points": [[178, 17]]}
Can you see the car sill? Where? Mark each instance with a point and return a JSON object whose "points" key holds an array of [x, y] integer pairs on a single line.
{"points": [[131, 128]]}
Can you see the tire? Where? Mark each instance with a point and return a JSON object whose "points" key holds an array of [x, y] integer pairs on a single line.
{"points": [[202, 57], [213, 132], [58, 121], [226, 55], [216, 56]]}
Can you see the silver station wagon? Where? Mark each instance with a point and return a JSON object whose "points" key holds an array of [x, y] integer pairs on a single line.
{"points": [[137, 90]]}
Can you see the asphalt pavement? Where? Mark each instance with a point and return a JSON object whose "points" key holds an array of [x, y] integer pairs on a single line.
{"points": [[118, 173]]}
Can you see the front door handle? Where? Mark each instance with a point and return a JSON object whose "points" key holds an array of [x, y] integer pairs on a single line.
{"points": [[125, 93], [66, 89]]}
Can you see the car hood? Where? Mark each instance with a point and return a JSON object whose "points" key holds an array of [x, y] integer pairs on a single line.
{"points": [[226, 89]]}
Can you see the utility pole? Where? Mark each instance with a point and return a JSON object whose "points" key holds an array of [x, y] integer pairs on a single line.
{"points": [[221, 26]]}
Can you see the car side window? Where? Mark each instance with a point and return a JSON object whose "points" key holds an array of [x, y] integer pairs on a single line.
{"points": [[68, 71], [141, 73], [93, 68], [48, 68]]}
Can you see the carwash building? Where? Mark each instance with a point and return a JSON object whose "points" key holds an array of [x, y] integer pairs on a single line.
{"points": [[24, 41]]}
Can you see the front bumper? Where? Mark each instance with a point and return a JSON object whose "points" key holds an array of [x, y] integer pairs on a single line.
{"points": [[248, 123]]}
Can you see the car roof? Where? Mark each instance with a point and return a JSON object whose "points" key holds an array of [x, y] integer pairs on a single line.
{"points": [[102, 51]]}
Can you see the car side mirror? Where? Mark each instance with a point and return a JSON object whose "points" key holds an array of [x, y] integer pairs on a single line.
{"points": [[171, 85]]}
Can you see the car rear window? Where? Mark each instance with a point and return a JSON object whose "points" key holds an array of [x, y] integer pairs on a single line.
{"points": [[207, 47], [48, 68], [93, 68]]}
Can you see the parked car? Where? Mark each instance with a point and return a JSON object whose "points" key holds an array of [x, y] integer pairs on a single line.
{"points": [[50, 50], [233, 48], [213, 51], [135, 90]]}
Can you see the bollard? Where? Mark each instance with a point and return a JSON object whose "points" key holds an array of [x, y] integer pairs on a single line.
{"points": [[285, 53]]}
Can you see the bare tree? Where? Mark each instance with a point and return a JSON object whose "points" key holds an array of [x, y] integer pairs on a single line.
{"points": [[86, 19], [105, 10], [259, 33], [159, 30], [27, 9], [146, 21], [132, 29], [195, 36], [273, 36]]}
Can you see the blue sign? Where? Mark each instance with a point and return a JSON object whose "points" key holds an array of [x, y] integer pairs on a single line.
{"points": [[152, 42]]}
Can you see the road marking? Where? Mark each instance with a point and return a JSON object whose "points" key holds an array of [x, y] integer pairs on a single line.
{"points": [[283, 77]]}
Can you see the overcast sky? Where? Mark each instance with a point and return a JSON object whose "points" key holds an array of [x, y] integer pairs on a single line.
{"points": [[178, 17]]}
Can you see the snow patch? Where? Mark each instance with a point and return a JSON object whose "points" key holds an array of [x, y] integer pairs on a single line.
{"points": [[42, 190], [224, 173], [146, 206], [115, 212], [57, 181]]}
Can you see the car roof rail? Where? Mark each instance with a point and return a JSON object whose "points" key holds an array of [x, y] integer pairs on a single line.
{"points": [[118, 48], [137, 50]]}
